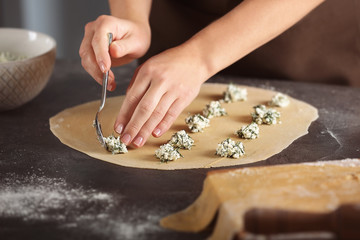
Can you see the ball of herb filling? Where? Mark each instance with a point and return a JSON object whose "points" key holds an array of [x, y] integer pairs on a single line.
{"points": [[214, 109], [231, 149], [279, 100], [167, 153], [181, 140], [262, 115], [250, 131], [114, 145], [234, 93], [197, 122]]}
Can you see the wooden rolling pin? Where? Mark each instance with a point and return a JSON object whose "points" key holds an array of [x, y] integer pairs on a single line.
{"points": [[344, 222]]}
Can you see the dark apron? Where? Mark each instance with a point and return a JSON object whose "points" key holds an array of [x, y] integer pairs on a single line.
{"points": [[322, 47]]}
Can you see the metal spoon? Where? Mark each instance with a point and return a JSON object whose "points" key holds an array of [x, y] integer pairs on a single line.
{"points": [[97, 125]]}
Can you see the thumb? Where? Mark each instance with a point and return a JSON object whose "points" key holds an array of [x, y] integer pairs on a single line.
{"points": [[121, 48], [100, 40]]}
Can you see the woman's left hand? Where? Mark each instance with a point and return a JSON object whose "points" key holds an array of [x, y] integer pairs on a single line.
{"points": [[159, 91]]}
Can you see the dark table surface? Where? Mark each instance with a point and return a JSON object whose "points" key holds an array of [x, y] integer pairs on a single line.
{"points": [[50, 191]]}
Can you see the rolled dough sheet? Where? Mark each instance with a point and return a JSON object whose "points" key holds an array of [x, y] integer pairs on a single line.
{"points": [[73, 127], [311, 187]]}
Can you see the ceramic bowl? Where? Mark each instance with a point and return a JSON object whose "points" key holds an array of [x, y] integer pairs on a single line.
{"points": [[26, 62]]}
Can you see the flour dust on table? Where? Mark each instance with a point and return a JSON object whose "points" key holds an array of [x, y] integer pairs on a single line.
{"points": [[38, 199]]}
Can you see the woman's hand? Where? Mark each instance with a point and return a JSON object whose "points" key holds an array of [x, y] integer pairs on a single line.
{"points": [[160, 90], [165, 84], [131, 40]]}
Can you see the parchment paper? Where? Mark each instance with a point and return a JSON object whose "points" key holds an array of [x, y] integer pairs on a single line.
{"points": [[74, 128]]}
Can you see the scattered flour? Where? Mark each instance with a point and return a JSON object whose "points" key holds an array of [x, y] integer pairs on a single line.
{"points": [[42, 199], [344, 163]]}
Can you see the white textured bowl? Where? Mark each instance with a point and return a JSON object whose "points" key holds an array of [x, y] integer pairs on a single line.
{"points": [[22, 80]]}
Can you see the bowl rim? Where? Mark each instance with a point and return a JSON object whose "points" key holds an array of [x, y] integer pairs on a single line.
{"points": [[53, 48]]}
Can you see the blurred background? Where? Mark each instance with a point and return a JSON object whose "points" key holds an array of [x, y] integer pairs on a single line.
{"points": [[64, 20], [323, 47]]}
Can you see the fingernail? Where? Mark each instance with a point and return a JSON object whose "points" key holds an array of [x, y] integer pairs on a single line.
{"points": [[138, 141], [157, 132], [126, 139], [119, 128], [102, 67]]}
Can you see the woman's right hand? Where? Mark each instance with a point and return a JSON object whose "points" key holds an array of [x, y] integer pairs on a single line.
{"points": [[131, 40]]}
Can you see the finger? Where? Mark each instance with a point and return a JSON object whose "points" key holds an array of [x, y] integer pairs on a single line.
{"points": [[85, 45], [100, 45], [123, 47], [87, 55], [88, 62], [155, 118], [96, 74], [121, 61], [100, 41], [172, 114], [132, 99], [88, 59], [142, 113], [111, 81]]}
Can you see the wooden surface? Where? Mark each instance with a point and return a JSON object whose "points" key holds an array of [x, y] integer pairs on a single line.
{"points": [[343, 222], [32, 160], [228, 195]]}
